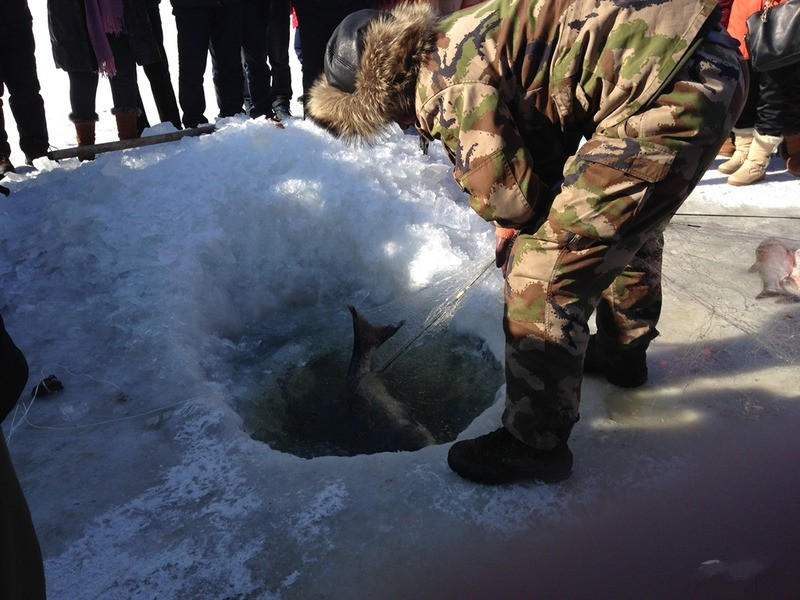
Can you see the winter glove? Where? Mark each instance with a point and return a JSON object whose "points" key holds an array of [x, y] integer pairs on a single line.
{"points": [[504, 240]]}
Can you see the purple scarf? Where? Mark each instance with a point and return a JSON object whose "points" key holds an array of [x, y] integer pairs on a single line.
{"points": [[103, 17]]}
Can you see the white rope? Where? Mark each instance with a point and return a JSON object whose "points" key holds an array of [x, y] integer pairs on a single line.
{"points": [[17, 420]]}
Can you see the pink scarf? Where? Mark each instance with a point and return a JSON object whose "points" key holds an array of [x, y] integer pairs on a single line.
{"points": [[102, 17]]}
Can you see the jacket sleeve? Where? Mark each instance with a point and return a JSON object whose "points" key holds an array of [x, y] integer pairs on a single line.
{"points": [[491, 161], [13, 372]]}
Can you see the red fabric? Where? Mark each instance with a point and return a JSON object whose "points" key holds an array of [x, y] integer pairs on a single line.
{"points": [[725, 7], [737, 23]]}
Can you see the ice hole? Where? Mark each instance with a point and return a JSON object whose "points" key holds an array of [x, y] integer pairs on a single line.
{"points": [[444, 380], [292, 374]]}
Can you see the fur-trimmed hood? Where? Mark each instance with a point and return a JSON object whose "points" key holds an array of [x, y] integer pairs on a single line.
{"points": [[394, 47]]}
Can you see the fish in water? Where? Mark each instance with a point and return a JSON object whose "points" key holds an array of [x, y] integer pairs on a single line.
{"points": [[776, 263], [387, 424]]}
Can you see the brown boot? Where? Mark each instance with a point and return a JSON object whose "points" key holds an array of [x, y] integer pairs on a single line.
{"points": [[742, 140], [792, 145], [127, 128], [727, 149], [85, 136], [754, 168]]}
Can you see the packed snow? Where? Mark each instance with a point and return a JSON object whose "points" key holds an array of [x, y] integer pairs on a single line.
{"points": [[145, 280]]}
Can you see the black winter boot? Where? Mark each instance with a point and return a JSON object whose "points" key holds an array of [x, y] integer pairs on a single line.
{"points": [[625, 368], [6, 166], [499, 457]]}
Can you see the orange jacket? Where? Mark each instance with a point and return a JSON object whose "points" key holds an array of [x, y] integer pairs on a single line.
{"points": [[737, 23]]}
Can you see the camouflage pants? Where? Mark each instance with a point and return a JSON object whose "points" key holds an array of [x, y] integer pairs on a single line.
{"points": [[602, 238]]}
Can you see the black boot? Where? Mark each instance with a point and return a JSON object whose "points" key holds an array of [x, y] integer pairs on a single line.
{"points": [[6, 166], [625, 368], [498, 457]]}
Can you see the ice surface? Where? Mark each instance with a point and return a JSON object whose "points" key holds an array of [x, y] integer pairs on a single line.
{"points": [[136, 277]]}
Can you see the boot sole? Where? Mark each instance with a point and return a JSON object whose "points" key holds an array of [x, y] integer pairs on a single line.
{"points": [[743, 183], [480, 473], [627, 382]]}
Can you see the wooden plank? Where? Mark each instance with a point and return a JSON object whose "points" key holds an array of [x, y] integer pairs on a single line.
{"points": [[134, 143]]}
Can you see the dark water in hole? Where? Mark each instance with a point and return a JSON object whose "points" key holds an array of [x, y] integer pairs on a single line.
{"points": [[444, 381]]}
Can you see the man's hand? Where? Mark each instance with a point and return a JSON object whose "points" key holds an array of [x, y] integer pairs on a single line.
{"points": [[504, 240]]}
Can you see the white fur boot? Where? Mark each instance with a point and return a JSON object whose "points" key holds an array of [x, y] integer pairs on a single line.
{"points": [[755, 166], [742, 138]]}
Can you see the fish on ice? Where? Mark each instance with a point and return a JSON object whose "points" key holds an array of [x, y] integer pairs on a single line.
{"points": [[777, 265]]}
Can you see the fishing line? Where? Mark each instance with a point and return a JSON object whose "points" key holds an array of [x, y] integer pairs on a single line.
{"points": [[737, 216], [17, 420], [445, 307]]}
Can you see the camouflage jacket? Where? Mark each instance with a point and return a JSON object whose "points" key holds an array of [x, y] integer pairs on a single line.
{"points": [[513, 85]]}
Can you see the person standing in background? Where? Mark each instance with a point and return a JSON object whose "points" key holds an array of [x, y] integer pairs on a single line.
{"points": [[158, 75], [278, 40], [255, 60], [108, 37], [316, 21], [767, 114], [215, 27], [18, 74]]}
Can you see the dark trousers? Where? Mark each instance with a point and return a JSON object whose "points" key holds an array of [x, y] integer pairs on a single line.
{"points": [[159, 78], [316, 20], [298, 47], [772, 101], [124, 92], [18, 74], [219, 31], [278, 38], [255, 58], [265, 56]]}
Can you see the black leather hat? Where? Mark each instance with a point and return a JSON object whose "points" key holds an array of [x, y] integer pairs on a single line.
{"points": [[343, 53]]}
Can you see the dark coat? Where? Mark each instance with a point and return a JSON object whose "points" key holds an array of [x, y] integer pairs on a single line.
{"points": [[13, 372], [14, 18], [72, 50], [21, 568]]}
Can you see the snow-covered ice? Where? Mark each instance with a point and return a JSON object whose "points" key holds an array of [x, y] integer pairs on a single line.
{"points": [[136, 277]]}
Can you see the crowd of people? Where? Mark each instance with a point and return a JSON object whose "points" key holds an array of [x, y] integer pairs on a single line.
{"points": [[248, 41]]}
